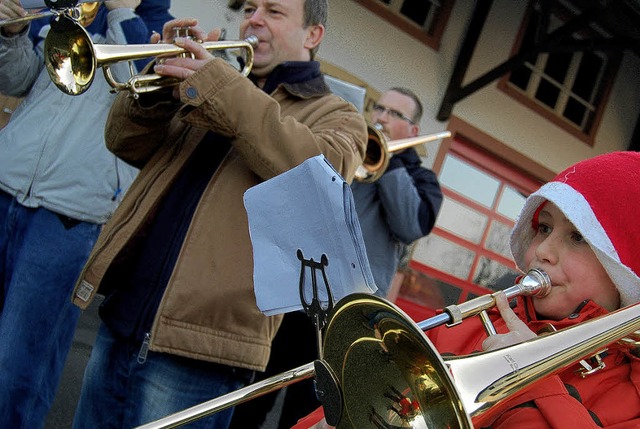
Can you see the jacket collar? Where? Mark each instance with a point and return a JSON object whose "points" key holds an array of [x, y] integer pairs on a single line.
{"points": [[299, 78], [585, 311]]}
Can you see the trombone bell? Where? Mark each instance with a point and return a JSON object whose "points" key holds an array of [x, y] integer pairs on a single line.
{"points": [[392, 376]]}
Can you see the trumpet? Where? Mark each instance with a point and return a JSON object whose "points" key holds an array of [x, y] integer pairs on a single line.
{"points": [[71, 59], [84, 11], [366, 331], [379, 149]]}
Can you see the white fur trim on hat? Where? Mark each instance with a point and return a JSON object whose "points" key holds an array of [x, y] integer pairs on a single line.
{"points": [[578, 211]]}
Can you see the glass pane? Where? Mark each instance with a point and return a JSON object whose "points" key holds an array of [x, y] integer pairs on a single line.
{"points": [[520, 77], [511, 202], [493, 275], [469, 181], [416, 10], [444, 255], [461, 220], [557, 66], [588, 76], [547, 93], [575, 112], [427, 290], [498, 239]]}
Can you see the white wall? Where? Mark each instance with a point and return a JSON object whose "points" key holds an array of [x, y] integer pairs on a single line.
{"points": [[375, 51]]}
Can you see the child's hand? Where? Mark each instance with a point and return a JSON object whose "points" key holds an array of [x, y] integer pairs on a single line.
{"points": [[518, 330]]}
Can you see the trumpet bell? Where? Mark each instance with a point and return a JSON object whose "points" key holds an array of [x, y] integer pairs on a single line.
{"points": [[379, 150], [85, 12], [88, 12], [376, 158], [69, 56]]}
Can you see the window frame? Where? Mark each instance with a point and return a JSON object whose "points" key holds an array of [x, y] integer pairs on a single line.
{"points": [[430, 38], [588, 133], [509, 166]]}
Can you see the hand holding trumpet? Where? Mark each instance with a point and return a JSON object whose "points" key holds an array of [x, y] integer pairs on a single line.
{"points": [[183, 66]]}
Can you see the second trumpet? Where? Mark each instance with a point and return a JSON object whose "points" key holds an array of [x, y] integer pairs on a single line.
{"points": [[71, 58], [379, 150]]}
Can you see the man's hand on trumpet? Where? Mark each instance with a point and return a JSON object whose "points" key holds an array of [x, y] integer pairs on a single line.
{"points": [[12, 9], [182, 67]]}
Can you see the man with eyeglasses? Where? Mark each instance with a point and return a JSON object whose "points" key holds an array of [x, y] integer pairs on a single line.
{"points": [[401, 206]]}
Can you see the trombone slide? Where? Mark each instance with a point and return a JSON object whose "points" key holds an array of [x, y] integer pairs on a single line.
{"points": [[401, 144], [233, 398], [535, 283]]}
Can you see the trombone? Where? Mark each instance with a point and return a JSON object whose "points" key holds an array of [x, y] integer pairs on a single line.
{"points": [[366, 331], [71, 58], [379, 149]]}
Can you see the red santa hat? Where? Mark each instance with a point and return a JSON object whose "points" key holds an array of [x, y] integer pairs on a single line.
{"points": [[601, 198]]}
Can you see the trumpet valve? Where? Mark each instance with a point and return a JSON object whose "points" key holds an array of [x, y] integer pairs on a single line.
{"points": [[185, 33]]}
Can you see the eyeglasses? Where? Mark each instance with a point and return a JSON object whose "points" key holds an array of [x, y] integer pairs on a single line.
{"points": [[380, 109]]}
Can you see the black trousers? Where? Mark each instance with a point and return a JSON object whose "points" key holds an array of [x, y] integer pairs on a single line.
{"points": [[294, 345]]}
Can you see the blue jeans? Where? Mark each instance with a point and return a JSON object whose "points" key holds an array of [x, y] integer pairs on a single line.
{"points": [[122, 391], [40, 260]]}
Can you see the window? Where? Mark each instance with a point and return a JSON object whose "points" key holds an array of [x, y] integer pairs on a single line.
{"points": [[469, 245], [467, 254], [423, 19], [568, 88]]}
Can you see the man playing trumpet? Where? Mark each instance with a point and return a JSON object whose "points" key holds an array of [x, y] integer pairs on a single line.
{"points": [[180, 321]]}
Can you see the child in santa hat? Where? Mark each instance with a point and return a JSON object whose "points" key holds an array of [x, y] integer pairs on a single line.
{"points": [[580, 228]]}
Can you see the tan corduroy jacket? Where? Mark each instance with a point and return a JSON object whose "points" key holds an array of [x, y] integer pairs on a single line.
{"points": [[208, 310]]}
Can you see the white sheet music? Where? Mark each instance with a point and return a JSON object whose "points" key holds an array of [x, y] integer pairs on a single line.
{"points": [[310, 208]]}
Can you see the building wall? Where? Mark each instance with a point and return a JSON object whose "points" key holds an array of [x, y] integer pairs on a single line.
{"points": [[376, 52]]}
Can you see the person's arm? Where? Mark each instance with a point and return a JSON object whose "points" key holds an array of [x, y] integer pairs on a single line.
{"points": [[410, 195], [216, 97], [134, 130], [20, 64], [219, 98], [124, 28]]}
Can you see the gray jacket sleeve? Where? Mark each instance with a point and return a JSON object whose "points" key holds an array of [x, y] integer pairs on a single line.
{"points": [[410, 196], [20, 64]]}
